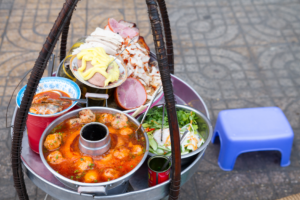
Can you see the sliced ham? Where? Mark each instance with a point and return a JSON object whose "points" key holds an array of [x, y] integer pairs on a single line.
{"points": [[131, 94], [98, 79], [122, 28], [128, 24]]}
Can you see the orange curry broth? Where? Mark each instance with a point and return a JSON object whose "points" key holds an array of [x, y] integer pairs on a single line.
{"points": [[71, 153], [53, 95]]}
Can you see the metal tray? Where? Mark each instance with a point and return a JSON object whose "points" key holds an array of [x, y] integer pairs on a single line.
{"points": [[43, 178]]}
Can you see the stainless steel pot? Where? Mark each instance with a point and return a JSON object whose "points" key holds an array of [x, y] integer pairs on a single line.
{"points": [[110, 187], [207, 135]]}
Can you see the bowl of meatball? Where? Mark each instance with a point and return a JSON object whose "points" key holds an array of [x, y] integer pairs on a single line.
{"points": [[94, 150]]}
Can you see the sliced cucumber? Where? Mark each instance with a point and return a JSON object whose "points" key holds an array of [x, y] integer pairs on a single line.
{"points": [[151, 150], [153, 144], [168, 154], [190, 147], [185, 152], [159, 152], [163, 148]]}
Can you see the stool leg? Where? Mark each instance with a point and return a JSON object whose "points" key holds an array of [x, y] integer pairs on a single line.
{"points": [[227, 158], [285, 158], [215, 134]]}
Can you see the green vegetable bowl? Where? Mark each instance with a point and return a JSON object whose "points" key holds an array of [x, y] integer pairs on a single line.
{"points": [[188, 118]]}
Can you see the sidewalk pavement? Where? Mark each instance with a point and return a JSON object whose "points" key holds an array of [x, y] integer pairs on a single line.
{"points": [[234, 53]]}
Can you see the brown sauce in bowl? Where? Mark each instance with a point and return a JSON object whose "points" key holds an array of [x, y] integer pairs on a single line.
{"points": [[49, 102]]}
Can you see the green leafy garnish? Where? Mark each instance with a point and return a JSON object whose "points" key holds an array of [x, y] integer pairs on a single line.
{"points": [[91, 164], [187, 120], [56, 128], [154, 119]]}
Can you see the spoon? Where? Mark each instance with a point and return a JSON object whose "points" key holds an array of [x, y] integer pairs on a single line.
{"points": [[162, 123], [149, 106], [68, 98], [101, 96], [181, 140]]}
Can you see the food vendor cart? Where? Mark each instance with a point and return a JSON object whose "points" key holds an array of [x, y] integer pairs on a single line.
{"points": [[175, 91]]}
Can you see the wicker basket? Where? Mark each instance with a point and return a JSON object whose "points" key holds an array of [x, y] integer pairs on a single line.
{"points": [[164, 53]]}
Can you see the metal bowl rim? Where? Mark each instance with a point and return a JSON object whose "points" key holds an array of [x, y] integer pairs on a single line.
{"points": [[66, 116], [122, 64]]}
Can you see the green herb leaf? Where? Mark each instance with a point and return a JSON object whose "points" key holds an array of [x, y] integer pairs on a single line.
{"points": [[56, 128]]}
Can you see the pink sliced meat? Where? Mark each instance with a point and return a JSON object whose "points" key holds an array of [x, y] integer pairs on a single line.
{"points": [[128, 24], [122, 28], [98, 79], [131, 94]]}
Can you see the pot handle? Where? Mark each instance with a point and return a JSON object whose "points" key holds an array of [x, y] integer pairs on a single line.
{"points": [[95, 95], [92, 190]]}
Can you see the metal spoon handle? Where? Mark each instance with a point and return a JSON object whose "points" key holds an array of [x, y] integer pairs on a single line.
{"points": [[162, 123], [153, 97], [181, 140], [73, 99], [183, 136]]}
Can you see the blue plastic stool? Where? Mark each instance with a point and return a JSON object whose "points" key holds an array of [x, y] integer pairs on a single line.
{"points": [[252, 129]]}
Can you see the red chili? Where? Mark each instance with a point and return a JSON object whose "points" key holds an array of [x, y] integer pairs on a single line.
{"points": [[150, 129]]}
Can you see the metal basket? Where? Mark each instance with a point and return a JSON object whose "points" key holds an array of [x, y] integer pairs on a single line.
{"points": [[164, 53]]}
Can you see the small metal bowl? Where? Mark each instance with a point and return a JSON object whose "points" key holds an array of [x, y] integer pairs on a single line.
{"points": [[207, 135]]}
